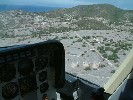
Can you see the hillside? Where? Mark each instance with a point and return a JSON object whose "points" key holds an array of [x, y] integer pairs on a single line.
{"points": [[82, 17], [106, 11]]}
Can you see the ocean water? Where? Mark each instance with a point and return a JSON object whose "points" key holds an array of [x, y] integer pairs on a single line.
{"points": [[29, 8]]}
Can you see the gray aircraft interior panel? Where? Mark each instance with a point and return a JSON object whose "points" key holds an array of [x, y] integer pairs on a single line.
{"points": [[32, 72], [124, 91]]}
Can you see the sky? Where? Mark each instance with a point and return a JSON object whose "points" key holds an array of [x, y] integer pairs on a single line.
{"points": [[124, 4]]}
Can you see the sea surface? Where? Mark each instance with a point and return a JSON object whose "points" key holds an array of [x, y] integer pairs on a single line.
{"points": [[29, 8]]}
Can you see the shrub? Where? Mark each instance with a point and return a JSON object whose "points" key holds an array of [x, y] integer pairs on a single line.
{"points": [[113, 71]]}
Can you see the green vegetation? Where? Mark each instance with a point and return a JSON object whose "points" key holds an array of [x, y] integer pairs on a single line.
{"points": [[91, 24], [102, 66], [86, 37], [123, 45], [116, 46], [113, 71], [5, 35], [101, 49], [64, 37], [57, 30], [107, 11], [82, 17], [71, 37], [83, 45], [33, 35], [78, 40], [114, 56], [131, 31], [105, 55], [87, 68]]}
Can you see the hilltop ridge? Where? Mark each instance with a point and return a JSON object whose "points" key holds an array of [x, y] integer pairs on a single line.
{"points": [[82, 17], [106, 11]]}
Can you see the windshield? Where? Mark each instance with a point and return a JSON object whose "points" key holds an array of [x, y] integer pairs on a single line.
{"points": [[97, 35]]}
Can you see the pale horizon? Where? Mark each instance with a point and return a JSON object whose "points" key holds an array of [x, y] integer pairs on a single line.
{"points": [[123, 4]]}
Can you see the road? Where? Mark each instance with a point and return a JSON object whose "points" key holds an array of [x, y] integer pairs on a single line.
{"points": [[89, 44]]}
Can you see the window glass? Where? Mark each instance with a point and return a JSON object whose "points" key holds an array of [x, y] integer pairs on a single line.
{"points": [[97, 35]]}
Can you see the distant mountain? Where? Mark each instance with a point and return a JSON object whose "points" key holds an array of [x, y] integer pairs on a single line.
{"points": [[82, 17], [106, 11], [29, 8]]}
